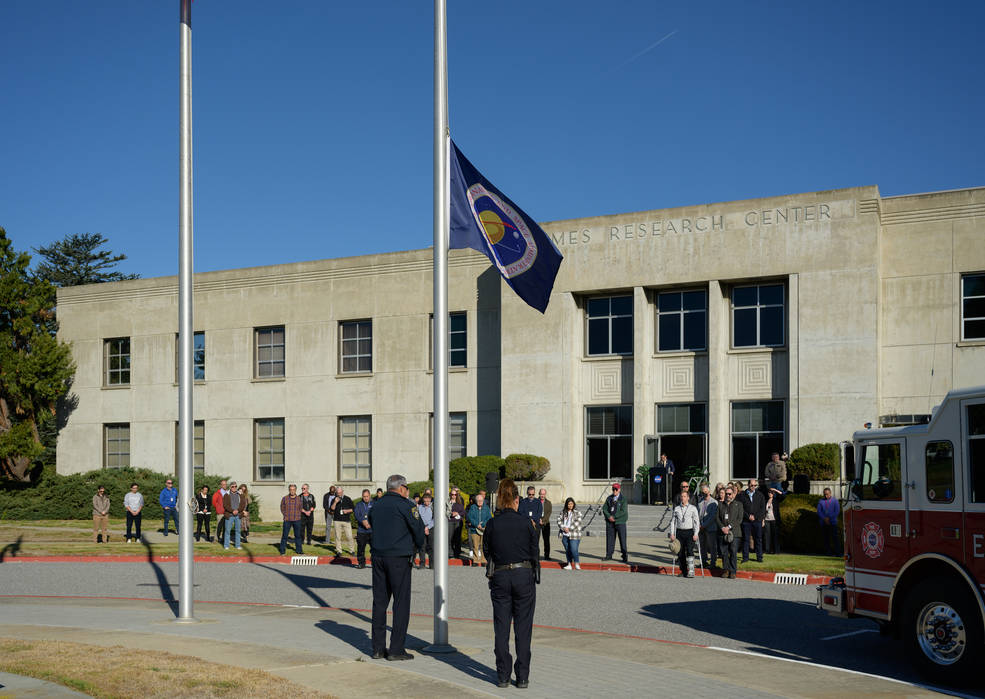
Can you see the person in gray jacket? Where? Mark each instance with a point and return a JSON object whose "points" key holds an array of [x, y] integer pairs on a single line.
{"points": [[708, 537], [684, 524]]}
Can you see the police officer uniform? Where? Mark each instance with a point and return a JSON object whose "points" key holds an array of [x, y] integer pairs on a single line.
{"points": [[510, 545], [397, 533]]}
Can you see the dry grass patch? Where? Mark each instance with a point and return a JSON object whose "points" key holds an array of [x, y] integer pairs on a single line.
{"points": [[124, 672]]}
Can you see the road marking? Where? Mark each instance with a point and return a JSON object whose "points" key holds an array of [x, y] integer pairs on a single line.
{"points": [[850, 633], [928, 687]]}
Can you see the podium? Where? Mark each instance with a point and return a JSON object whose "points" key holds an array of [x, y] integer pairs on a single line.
{"points": [[657, 485]]}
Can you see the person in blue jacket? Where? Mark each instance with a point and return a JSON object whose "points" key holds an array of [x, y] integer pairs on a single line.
{"points": [[476, 517], [168, 500]]}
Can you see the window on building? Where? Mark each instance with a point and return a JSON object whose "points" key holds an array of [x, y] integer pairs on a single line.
{"points": [[457, 436], [757, 432], [117, 361], [610, 325], [269, 449], [457, 340], [116, 445], [356, 346], [879, 475], [269, 352], [682, 321], [356, 448], [973, 307], [609, 442], [976, 452], [940, 471], [198, 356], [198, 447], [757, 315], [682, 428]]}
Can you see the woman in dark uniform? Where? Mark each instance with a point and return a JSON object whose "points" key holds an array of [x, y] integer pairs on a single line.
{"points": [[510, 547]]}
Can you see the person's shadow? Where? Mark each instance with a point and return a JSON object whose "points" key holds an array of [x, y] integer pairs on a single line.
{"points": [[11, 549], [162, 580], [309, 583], [358, 636]]}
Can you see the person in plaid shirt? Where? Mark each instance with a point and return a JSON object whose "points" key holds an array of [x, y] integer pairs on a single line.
{"points": [[290, 507]]}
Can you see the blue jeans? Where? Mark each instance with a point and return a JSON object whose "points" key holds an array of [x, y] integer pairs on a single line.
{"points": [[570, 549], [287, 527], [231, 523], [170, 513]]}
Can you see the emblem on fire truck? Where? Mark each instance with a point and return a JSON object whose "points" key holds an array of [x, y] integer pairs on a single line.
{"points": [[873, 541]]}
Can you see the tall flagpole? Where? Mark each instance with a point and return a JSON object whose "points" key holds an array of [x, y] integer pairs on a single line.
{"points": [[186, 482], [439, 454]]}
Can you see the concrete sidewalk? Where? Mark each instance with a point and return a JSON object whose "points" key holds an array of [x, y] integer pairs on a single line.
{"points": [[326, 649]]}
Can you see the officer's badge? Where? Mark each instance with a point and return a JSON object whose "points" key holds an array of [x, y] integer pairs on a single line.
{"points": [[413, 511]]}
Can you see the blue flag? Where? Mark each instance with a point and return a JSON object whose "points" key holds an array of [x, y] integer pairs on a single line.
{"points": [[484, 219]]}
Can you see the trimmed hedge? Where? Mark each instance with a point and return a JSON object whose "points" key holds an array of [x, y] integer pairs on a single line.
{"points": [[800, 529], [54, 496], [525, 467], [819, 462], [469, 472]]}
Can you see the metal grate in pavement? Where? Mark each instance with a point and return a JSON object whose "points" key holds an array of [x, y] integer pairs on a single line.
{"points": [[790, 579], [304, 560]]}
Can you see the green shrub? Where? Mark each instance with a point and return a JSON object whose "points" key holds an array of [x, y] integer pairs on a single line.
{"points": [[800, 529], [819, 462], [468, 473], [418, 487], [54, 496], [525, 467]]}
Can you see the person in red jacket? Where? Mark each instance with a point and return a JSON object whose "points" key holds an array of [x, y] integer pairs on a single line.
{"points": [[220, 524]]}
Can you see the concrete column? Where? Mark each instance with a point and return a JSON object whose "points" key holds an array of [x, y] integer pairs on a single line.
{"points": [[643, 409], [793, 363], [719, 421]]}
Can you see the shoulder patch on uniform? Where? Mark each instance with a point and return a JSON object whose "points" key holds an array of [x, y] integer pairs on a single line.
{"points": [[413, 511]]}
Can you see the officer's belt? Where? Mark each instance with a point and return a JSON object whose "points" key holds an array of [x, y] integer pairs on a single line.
{"points": [[513, 566]]}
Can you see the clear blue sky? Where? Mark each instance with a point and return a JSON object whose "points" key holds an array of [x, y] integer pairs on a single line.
{"points": [[313, 119]]}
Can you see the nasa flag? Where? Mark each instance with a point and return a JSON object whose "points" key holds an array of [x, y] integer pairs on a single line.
{"points": [[484, 219]]}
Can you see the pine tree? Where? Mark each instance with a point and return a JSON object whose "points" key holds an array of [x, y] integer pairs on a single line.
{"points": [[76, 259], [35, 368]]}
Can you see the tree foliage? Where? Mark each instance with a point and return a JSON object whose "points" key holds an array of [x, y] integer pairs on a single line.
{"points": [[35, 368], [819, 462], [76, 259]]}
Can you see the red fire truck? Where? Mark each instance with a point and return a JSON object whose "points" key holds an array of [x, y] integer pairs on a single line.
{"points": [[914, 518]]}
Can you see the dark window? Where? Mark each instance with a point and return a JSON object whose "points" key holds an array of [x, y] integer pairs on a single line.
{"points": [[609, 437], [879, 474], [681, 418], [758, 316], [457, 436], [198, 356], [940, 471], [117, 361], [457, 340], [976, 452], [757, 432], [356, 346], [610, 325], [269, 449], [198, 447], [269, 352], [682, 319], [973, 307]]}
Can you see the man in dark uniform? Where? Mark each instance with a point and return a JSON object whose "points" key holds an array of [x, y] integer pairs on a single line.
{"points": [[397, 533], [510, 547]]}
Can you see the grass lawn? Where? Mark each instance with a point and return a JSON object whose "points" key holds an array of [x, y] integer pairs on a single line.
{"points": [[126, 672], [797, 563]]}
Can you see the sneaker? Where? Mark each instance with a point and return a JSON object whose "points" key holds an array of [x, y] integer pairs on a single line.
{"points": [[577, 566], [690, 573], [239, 548], [567, 567]]}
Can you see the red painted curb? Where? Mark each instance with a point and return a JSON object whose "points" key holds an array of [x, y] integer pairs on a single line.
{"points": [[758, 575]]}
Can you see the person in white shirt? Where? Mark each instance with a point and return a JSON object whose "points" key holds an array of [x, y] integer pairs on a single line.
{"points": [[685, 525], [134, 504]]}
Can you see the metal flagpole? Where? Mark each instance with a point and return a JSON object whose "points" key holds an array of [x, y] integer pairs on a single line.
{"points": [[440, 341], [186, 482]]}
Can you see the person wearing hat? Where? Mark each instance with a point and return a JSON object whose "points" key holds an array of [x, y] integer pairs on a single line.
{"points": [[616, 514], [685, 524]]}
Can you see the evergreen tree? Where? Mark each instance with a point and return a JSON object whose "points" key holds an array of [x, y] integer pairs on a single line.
{"points": [[76, 259], [35, 368]]}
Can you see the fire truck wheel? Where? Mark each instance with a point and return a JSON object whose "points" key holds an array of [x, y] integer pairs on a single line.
{"points": [[942, 630]]}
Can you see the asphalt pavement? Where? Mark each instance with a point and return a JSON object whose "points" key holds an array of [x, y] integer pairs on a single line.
{"points": [[591, 628]]}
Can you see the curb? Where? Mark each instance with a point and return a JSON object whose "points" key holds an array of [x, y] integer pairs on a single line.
{"points": [[350, 561]]}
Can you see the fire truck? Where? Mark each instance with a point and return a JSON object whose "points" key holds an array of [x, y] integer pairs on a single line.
{"points": [[914, 515]]}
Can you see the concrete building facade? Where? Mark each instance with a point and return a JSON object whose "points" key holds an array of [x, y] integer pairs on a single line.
{"points": [[716, 333]]}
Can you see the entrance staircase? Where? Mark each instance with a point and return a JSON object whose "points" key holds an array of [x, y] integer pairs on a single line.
{"points": [[642, 520]]}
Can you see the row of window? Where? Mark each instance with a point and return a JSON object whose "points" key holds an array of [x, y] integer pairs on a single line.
{"points": [[758, 320], [355, 446], [757, 432]]}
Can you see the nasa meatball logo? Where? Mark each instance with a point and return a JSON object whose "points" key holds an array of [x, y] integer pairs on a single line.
{"points": [[506, 233], [873, 541]]}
